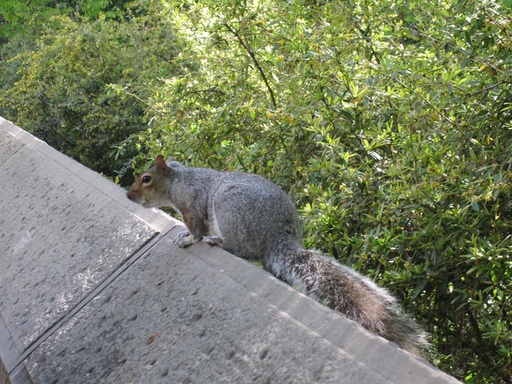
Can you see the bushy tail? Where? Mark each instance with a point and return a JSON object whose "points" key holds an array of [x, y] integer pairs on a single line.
{"points": [[343, 289]]}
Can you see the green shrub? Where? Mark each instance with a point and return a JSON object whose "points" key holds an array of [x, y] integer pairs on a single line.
{"points": [[389, 123], [64, 91]]}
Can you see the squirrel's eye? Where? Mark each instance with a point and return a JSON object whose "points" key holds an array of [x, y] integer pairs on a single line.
{"points": [[146, 179]]}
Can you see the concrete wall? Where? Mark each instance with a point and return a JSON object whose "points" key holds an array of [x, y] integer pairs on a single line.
{"points": [[92, 290]]}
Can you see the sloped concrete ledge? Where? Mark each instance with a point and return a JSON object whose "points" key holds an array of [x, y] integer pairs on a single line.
{"points": [[92, 290]]}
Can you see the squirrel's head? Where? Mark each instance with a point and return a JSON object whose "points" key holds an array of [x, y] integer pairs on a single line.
{"points": [[150, 187]]}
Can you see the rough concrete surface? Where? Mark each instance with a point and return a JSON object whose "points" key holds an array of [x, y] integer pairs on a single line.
{"points": [[92, 290]]}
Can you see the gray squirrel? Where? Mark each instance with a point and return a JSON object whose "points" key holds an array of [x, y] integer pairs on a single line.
{"points": [[253, 218]]}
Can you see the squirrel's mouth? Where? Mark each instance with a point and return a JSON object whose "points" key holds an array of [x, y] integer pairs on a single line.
{"points": [[139, 199]]}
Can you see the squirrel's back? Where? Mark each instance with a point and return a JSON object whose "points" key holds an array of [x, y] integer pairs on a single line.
{"points": [[252, 215]]}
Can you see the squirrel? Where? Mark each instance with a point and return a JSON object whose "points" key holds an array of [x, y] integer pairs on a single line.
{"points": [[254, 219]]}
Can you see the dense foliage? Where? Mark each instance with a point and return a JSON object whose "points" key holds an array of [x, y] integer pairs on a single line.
{"points": [[388, 122], [63, 86]]}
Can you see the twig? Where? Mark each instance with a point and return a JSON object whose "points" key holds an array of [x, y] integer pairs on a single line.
{"points": [[251, 54]]}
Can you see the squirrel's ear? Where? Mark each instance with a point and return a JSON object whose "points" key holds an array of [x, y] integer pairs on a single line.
{"points": [[160, 162]]}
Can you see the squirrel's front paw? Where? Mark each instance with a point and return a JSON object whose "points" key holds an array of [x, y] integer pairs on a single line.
{"points": [[182, 234], [184, 239]]}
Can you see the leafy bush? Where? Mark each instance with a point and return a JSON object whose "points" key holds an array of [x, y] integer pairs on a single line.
{"points": [[24, 17], [389, 123], [64, 92]]}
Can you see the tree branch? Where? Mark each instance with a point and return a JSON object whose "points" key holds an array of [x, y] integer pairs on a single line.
{"points": [[251, 54]]}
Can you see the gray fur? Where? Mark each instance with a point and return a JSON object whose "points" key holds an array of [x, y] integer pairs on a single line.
{"points": [[253, 218]]}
